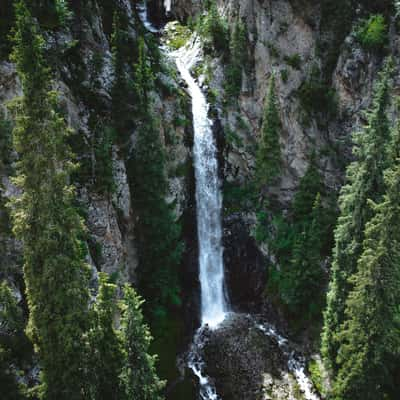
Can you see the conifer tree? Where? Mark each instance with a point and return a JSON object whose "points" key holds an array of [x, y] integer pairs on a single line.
{"points": [[370, 336], [365, 182], [139, 373], [120, 88], [269, 159], [304, 276], [47, 223], [106, 345], [158, 234], [237, 60], [11, 326]]}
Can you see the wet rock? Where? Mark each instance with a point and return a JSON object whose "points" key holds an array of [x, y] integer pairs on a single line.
{"points": [[245, 363]]}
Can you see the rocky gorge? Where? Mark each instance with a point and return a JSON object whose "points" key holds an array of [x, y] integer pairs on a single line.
{"points": [[324, 82]]}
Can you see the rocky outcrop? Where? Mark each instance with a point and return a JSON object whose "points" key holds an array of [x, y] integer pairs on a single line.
{"points": [[246, 363]]}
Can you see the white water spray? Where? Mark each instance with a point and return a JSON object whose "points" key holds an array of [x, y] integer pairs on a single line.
{"points": [[208, 196]]}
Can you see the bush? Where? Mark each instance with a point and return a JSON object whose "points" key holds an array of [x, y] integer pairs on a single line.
{"points": [[373, 32], [316, 96], [294, 61], [214, 31]]}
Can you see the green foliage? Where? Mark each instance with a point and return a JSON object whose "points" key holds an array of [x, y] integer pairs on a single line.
{"points": [[365, 183], [268, 158], [139, 373], [213, 30], [120, 106], [238, 198], [293, 60], [284, 75], [177, 35], [237, 60], [5, 140], [317, 97], [300, 242], [317, 378], [107, 355], [11, 335], [51, 13], [7, 19], [373, 32], [157, 232], [45, 219], [369, 338]]}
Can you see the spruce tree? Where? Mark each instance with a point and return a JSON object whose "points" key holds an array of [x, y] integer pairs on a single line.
{"points": [[106, 345], [120, 105], [237, 60], [11, 326], [365, 182], [370, 337], [158, 234], [269, 158], [139, 374], [47, 223]]}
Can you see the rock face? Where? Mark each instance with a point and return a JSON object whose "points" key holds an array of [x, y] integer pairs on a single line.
{"points": [[284, 38], [85, 86]]}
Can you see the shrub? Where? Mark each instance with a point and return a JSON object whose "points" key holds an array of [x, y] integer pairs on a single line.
{"points": [[316, 96], [214, 31], [294, 61], [284, 75], [372, 33]]}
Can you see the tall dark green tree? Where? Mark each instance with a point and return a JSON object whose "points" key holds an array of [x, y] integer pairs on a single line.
{"points": [[158, 233], [369, 338], [119, 44], [11, 327], [47, 223], [269, 158], [139, 374], [365, 183], [106, 345]]}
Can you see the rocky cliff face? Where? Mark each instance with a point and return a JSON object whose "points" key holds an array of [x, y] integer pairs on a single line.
{"points": [[301, 43], [84, 79]]}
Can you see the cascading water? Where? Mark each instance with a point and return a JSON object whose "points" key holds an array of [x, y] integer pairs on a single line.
{"points": [[214, 306], [208, 197]]}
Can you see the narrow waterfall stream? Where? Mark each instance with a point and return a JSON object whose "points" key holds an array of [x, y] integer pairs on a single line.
{"points": [[208, 197], [214, 306]]}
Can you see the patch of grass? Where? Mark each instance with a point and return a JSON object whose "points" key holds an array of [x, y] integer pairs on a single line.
{"points": [[177, 35]]}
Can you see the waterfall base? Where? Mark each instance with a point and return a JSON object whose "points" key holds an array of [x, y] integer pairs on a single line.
{"points": [[244, 359]]}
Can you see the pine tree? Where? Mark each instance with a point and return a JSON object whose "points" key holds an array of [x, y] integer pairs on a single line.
{"points": [[304, 277], [47, 223], [269, 158], [365, 182], [237, 60], [139, 373], [158, 234], [370, 337], [106, 345], [120, 105], [11, 326]]}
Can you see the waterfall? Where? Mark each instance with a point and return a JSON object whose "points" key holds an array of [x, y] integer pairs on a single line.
{"points": [[167, 6], [208, 196]]}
